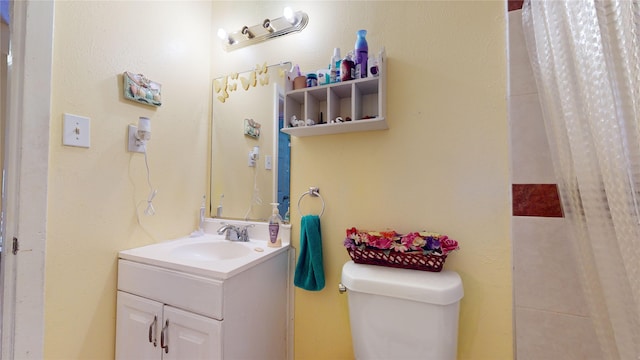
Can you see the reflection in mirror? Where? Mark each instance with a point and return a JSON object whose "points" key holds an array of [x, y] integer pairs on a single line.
{"points": [[248, 111]]}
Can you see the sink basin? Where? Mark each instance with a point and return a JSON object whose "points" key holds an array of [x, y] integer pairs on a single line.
{"points": [[208, 255], [208, 251]]}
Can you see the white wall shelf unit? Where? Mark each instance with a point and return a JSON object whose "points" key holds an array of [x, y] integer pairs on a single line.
{"points": [[363, 100]]}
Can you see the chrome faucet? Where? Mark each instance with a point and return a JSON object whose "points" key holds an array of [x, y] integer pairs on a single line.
{"points": [[235, 233], [231, 232]]}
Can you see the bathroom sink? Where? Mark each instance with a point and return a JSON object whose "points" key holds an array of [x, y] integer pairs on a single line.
{"points": [[209, 255], [208, 251]]}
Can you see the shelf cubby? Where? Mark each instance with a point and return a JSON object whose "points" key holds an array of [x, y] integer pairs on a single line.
{"points": [[361, 100]]}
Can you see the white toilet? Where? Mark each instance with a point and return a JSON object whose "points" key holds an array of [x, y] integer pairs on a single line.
{"points": [[400, 314]]}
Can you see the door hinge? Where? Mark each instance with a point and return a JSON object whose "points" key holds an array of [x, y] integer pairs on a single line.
{"points": [[15, 247]]}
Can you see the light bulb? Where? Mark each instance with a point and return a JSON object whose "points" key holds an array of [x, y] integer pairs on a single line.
{"points": [[289, 15], [222, 34]]}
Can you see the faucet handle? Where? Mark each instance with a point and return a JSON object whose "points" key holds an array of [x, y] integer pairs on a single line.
{"points": [[244, 232]]}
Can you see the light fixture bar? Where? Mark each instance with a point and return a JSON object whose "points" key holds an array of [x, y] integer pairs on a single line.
{"points": [[268, 29]]}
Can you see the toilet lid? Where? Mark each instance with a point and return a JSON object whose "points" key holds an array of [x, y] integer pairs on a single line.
{"points": [[439, 288]]}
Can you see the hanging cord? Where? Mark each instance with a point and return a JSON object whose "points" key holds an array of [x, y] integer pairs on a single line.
{"points": [[150, 210], [255, 197]]}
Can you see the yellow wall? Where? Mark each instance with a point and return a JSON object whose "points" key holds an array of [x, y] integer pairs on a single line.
{"points": [[443, 164], [93, 193]]}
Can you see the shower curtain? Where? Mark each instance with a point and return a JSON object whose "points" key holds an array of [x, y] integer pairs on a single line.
{"points": [[586, 61]]}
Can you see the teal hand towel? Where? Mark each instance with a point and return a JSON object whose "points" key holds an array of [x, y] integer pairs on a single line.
{"points": [[309, 273]]}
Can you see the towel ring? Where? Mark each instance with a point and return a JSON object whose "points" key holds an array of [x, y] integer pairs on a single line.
{"points": [[313, 191]]}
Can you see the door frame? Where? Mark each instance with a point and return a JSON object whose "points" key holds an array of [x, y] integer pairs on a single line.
{"points": [[25, 180]]}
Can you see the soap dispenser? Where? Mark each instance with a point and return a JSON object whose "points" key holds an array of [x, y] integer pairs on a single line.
{"points": [[274, 227]]}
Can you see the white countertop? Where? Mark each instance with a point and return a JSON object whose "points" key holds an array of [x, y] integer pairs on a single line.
{"points": [[167, 255]]}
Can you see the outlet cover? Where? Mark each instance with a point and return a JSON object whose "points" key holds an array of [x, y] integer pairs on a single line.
{"points": [[251, 161], [267, 162], [132, 144], [76, 131]]}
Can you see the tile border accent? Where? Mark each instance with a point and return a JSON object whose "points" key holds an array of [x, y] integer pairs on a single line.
{"points": [[536, 200], [514, 4]]}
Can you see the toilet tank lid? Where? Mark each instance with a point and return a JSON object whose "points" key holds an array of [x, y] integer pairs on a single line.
{"points": [[439, 288]]}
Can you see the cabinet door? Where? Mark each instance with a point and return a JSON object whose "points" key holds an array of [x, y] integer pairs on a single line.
{"points": [[138, 327], [190, 336]]}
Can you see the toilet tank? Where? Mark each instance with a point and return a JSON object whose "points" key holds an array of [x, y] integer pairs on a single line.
{"points": [[402, 314]]}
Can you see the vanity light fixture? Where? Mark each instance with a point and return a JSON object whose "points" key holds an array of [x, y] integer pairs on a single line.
{"points": [[292, 21]]}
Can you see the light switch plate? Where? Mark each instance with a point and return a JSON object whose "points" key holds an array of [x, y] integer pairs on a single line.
{"points": [[76, 131]]}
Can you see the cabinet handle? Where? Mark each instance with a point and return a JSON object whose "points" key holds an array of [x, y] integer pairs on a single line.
{"points": [[152, 331], [164, 343]]}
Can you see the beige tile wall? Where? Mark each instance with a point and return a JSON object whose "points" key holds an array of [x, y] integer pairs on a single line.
{"points": [[551, 316]]}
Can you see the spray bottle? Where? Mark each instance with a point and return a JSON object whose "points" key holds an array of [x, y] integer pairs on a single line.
{"points": [[362, 54]]}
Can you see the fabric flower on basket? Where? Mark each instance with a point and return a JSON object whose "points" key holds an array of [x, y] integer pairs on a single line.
{"points": [[425, 251], [425, 242]]}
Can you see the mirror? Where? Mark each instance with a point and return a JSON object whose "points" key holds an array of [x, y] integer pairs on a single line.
{"points": [[248, 113]]}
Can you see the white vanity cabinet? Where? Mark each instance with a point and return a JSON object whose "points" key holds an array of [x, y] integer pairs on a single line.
{"points": [[195, 316], [362, 100], [170, 333]]}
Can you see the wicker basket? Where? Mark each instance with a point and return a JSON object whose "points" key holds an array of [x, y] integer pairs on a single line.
{"points": [[408, 260]]}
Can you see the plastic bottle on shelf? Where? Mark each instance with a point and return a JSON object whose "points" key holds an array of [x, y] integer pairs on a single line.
{"points": [[274, 227], [335, 65], [374, 67], [348, 67], [362, 54], [332, 71]]}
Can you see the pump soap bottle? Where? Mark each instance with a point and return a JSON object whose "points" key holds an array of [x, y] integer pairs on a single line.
{"points": [[274, 227]]}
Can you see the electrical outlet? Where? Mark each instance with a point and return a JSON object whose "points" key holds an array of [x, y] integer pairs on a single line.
{"points": [[132, 144], [267, 162], [251, 159]]}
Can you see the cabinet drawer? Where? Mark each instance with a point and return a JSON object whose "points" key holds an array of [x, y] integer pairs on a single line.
{"points": [[189, 292]]}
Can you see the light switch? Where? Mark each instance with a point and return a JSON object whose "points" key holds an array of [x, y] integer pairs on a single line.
{"points": [[76, 131]]}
